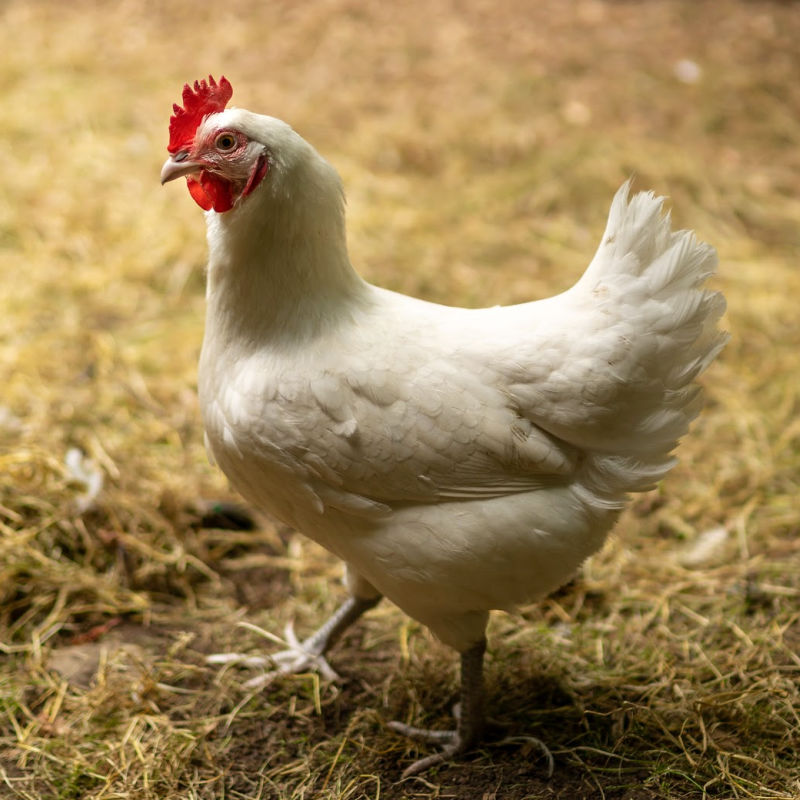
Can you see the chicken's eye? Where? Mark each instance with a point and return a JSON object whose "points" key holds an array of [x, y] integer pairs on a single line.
{"points": [[225, 142]]}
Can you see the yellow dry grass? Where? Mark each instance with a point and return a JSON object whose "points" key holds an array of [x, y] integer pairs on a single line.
{"points": [[480, 144]]}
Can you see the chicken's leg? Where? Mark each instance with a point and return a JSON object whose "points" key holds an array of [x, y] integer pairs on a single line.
{"points": [[469, 718]]}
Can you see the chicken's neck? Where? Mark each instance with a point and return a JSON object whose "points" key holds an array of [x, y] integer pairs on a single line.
{"points": [[278, 276]]}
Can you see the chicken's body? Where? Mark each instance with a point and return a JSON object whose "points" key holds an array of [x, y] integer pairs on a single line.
{"points": [[394, 442], [457, 460]]}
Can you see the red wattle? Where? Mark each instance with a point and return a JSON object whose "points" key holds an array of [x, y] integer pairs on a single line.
{"points": [[211, 191]]}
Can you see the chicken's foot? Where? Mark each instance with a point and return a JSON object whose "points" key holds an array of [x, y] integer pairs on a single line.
{"points": [[308, 655]]}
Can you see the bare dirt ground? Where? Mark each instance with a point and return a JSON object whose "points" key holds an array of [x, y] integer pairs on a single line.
{"points": [[480, 144]]}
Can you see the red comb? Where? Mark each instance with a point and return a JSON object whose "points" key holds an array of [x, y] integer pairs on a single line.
{"points": [[198, 103]]}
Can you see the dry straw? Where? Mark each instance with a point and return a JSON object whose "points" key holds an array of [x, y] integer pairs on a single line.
{"points": [[480, 145]]}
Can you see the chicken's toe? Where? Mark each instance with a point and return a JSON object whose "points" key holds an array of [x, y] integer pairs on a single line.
{"points": [[305, 656], [452, 743]]}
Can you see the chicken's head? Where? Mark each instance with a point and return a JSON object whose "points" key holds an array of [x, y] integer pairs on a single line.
{"points": [[220, 161]]}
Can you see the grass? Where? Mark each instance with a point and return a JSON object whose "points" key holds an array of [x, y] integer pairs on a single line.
{"points": [[480, 146]]}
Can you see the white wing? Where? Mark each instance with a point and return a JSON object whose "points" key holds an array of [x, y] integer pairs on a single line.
{"points": [[404, 423]]}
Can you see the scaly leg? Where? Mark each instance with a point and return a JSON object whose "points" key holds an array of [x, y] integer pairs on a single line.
{"points": [[469, 720]]}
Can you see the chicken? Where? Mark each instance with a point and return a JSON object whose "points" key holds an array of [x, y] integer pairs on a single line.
{"points": [[457, 460]]}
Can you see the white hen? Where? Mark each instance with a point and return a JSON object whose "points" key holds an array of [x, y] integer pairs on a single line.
{"points": [[456, 460]]}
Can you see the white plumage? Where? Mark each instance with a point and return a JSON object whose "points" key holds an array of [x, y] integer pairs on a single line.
{"points": [[457, 460]]}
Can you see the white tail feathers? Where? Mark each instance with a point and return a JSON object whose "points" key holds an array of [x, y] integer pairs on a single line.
{"points": [[649, 284]]}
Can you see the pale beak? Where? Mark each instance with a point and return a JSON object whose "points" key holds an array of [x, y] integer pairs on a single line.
{"points": [[178, 165]]}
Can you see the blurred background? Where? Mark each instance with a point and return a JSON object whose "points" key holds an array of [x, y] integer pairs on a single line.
{"points": [[480, 146]]}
